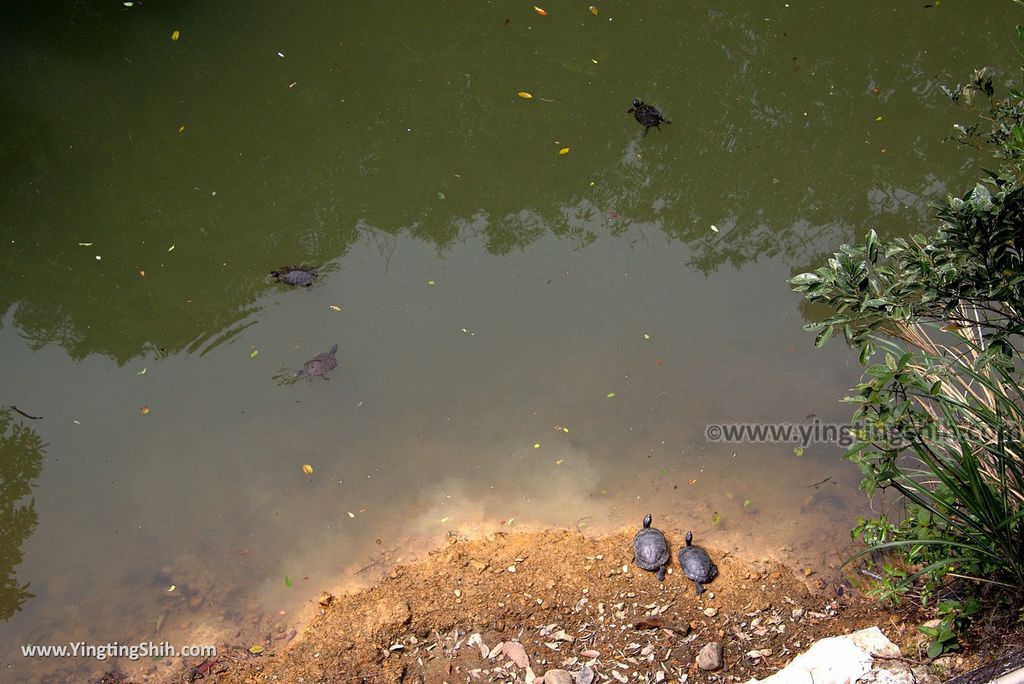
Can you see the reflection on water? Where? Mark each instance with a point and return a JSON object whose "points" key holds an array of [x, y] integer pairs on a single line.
{"points": [[21, 461], [524, 338]]}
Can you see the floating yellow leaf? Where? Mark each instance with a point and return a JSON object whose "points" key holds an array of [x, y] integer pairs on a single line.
{"points": [[430, 282], [335, 307], [446, 518], [171, 588], [537, 445], [564, 150], [715, 518], [255, 650], [610, 395], [144, 410], [351, 514], [142, 274], [175, 35], [540, 11], [525, 95], [181, 129], [878, 118], [693, 482], [171, 248], [559, 461], [593, 10], [593, 60], [141, 372], [85, 244], [306, 468], [254, 353]]}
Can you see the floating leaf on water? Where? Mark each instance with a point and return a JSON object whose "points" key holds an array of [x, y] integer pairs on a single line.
{"points": [[256, 649], [878, 118], [430, 282], [85, 244], [144, 410], [288, 581], [335, 307], [746, 502], [593, 10], [351, 514], [714, 228], [560, 461], [715, 518], [610, 395], [181, 129], [141, 372], [646, 336], [595, 62], [564, 150], [306, 468], [142, 274], [693, 482], [440, 195], [446, 518], [254, 353], [175, 35], [525, 95], [540, 11], [536, 445], [799, 451], [172, 588], [171, 248]]}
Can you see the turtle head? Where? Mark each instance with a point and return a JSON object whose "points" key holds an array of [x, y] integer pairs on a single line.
{"points": [[689, 538], [636, 102], [647, 520]]}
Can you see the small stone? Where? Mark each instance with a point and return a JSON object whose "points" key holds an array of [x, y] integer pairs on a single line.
{"points": [[590, 653], [711, 594], [585, 676], [479, 565], [458, 593], [326, 599], [710, 657], [558, 677], [711, 612], [511, 568], [798, 613]]}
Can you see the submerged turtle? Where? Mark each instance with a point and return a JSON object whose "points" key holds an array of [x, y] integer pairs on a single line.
{"points": [[647, 115], [650, 549], [696, 564], [319, 365], [295, 275]]}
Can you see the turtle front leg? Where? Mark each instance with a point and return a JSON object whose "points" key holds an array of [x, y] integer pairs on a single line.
{"points": [[699, 587], [661, 574]]}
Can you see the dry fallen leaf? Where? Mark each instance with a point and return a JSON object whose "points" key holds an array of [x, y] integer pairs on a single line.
{"points": [[593, 10], [525, 95], [564, 150], [144, 410], [542, 13], [515, 652], [175, 35], [308, 469]]}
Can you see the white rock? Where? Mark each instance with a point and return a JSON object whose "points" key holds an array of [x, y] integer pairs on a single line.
{"points": [[846, 658]]}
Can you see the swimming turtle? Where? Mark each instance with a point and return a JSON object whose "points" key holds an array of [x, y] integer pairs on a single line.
{"points": [[295, 275], [319, 365], [650, 549], [648, 115], [696, 564]]}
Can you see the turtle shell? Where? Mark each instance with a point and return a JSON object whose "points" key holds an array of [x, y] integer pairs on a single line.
{"points": [[647, 115], [295, 276], [696, 564], [320, 365], [650, 549]]}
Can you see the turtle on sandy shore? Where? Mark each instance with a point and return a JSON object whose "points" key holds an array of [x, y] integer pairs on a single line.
{"points": [[696, 564], [650, 549]]}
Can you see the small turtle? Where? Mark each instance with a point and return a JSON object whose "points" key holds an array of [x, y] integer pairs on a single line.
{"points": [[647, 115], [295, 275], [696, 564], [650, 549], [319, 365]]}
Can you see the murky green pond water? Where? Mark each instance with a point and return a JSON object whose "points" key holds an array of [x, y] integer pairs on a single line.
{"points": [[521, 333]]}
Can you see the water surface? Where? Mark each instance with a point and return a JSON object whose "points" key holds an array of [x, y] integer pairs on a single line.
{"points": [[487, 294]]}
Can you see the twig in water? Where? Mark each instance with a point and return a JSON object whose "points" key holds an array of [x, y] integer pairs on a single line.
{"points": [[819, 483], [15, 408]]}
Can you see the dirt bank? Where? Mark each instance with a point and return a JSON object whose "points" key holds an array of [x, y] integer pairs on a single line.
{"points": [[488, 609]]}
